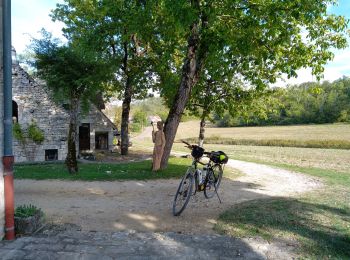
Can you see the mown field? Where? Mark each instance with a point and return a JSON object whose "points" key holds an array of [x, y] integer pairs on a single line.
{"points": [[331, 136], [299, 132], [318, 220]]}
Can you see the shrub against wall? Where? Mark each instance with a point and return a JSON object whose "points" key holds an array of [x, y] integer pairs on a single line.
{"points": [[28, 138]]}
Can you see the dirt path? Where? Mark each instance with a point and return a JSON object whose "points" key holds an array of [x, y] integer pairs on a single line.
{"points": [[146, 205]]}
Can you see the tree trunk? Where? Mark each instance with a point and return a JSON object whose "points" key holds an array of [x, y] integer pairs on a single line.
{"points": [[124, 145], [71, 159], [202, 130], [205, 112], [190, 71]]}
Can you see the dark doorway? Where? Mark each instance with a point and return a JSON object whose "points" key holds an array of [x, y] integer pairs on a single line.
{"points": [[51, 155], [84, 137], [101, 141], [14, 112]]}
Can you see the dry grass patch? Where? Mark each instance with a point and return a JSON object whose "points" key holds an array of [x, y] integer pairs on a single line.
{"points": [[330, 159], [291, 132]]}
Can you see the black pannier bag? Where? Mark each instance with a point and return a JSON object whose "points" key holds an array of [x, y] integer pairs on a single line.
{"points": [[197, 152], [219, 157]]}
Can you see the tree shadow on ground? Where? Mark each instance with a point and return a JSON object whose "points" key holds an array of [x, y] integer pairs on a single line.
{"points": [[319, 227]]}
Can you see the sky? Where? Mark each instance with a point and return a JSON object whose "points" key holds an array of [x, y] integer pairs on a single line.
{"points": [[28, 17]]}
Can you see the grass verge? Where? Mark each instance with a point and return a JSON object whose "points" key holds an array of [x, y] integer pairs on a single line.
{"points": [[319, 220], [103, 171], [109, 172], [320, 225]]}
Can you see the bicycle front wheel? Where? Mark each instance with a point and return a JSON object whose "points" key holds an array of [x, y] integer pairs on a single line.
{"points": [[212, 181], [183, 194]]}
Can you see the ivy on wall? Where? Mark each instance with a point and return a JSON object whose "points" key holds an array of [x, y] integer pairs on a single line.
{"points": [[33, 133]]}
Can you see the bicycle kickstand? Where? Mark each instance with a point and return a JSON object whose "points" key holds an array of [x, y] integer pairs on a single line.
{"points": [[217, 194]]}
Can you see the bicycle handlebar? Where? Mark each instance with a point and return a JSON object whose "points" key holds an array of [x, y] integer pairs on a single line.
{"points": [[188, 145], [191, 146]]}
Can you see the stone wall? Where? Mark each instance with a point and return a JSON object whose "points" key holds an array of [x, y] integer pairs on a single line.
{"points": [[34, 104], [99, 123], [2, 197]]}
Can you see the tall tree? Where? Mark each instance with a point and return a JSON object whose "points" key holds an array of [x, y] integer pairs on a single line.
{"points": [[219, 96], [74, 76], [114, 28], [260, 40]]}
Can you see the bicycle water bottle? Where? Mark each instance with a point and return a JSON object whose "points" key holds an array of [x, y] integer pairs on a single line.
{"points": [[204, 174], [200, 178]]}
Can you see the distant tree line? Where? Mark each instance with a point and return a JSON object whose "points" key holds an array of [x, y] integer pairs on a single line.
{"points": [[306, 103]]}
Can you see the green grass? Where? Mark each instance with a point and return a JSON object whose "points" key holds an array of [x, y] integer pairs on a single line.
{"points": [[109, 172], [321, 227], [103, 171], [318, 220]]}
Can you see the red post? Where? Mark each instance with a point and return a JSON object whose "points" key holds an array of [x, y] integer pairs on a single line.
{"points": [[9, 198]]}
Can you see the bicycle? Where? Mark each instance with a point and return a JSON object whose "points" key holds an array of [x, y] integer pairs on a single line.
{"points": [[207, 180]]}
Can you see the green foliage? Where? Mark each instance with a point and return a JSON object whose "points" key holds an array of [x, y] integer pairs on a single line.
{"points": [[117, 118], [35, 133], [257, 41], [140, 117], [24, 211], [139, 121], [136, 127], [301, 104], [188, 116], [152, 106], [116, 31], [71, 72], [18, 132]]}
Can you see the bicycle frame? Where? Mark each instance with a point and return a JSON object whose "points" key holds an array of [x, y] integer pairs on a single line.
{"points": [[194, 172], [208, 183]]}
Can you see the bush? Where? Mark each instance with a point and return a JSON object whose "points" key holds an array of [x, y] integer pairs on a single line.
{"points": [[28, 219], [25, 211], [35, 133], [18, 133], [135, 127]]}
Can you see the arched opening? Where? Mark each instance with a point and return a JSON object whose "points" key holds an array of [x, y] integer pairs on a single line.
{"points": [[14, 112]]}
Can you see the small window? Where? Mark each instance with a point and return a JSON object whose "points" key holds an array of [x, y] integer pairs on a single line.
{"points": [[14, 112], [101, 141], [51, 155]]}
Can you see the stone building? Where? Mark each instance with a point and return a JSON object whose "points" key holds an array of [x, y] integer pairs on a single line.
{"points": [[33, 104]]}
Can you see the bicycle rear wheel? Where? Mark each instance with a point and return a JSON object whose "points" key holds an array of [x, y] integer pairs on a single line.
{"points": [[212, 181], [183, 194]]}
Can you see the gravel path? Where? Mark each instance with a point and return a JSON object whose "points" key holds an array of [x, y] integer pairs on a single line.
{"points": [[133, 219], [272, 181], [146, 205]]}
